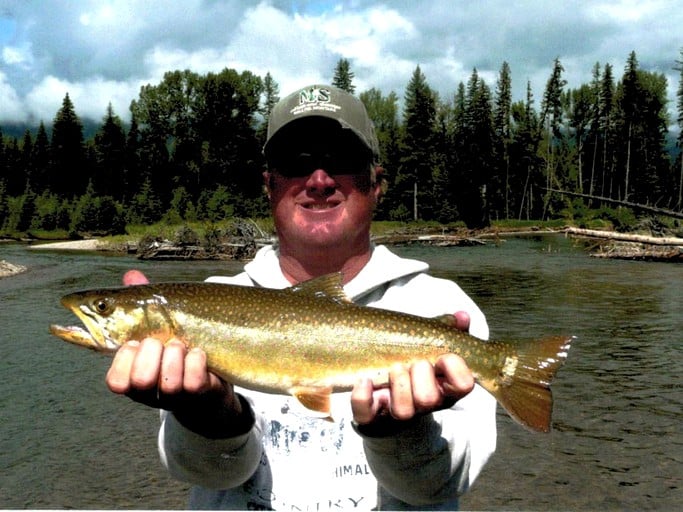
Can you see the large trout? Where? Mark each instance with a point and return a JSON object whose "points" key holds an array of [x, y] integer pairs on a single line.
{"points": [[310, 340]]}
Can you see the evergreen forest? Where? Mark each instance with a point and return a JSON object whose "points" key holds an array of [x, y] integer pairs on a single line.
{"points": [[192, 152]]}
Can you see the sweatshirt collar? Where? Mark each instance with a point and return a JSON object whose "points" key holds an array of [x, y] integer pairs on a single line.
{"points": [[384, 266]]}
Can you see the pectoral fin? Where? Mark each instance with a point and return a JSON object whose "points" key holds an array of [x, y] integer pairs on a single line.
{"points": [[316, 400]]}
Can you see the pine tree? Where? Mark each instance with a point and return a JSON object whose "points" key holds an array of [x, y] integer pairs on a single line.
{"points": [[502, 118], [606, 126], [629, 107], [4, 208], [552, 118], [15, 182], [343, 76], [679, 142], [643, 174], [133, 171], [526, 179], [27, 211], [110, 153], [383, 110], [414, 184], [581, 103], [3, 163], [41, 161], [593, 130], [26, 170], [271, 95], [475, 171], [68, 175]]}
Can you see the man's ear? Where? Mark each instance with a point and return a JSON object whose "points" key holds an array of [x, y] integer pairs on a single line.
{"points": [[380, 182], [267, 182]]}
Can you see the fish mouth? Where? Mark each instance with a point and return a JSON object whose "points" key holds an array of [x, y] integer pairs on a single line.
{"points": [[95, 336]]}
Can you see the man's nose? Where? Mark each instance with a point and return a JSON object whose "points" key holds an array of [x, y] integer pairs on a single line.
{"points": [[320, 181]]}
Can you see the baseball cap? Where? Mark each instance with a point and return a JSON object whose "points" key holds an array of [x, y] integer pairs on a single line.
{"points": [[322, 101]]}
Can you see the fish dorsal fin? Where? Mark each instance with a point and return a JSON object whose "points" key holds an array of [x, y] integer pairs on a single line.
{"points": [[328, 286], [448, 319]]}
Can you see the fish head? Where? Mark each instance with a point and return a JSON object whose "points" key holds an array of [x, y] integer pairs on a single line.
{"points": [[114, 316]]}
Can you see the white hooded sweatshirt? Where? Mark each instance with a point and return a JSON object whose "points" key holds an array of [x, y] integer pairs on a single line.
{"points": [[292, 461]]}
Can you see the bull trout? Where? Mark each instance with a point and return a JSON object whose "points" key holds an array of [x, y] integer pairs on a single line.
{"points": [[310, 340]]}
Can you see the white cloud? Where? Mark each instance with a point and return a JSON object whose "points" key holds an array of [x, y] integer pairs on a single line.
{"points": [[629, 11], [18, 56], [11, 106], [104, 50], [90, 98]]}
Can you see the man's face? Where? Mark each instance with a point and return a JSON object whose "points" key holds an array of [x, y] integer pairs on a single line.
{"points": [[321, 189]]}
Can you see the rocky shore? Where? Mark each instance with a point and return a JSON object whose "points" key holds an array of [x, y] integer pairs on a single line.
{"points": [[10, 269]]}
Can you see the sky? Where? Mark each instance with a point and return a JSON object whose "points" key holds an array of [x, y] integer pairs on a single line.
{"points": [[103, 51]]}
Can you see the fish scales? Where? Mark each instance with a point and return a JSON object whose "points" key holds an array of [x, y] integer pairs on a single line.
{"points": [[310, 340]]}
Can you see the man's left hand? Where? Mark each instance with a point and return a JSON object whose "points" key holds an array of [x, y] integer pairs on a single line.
{"points": [[417, 389]]}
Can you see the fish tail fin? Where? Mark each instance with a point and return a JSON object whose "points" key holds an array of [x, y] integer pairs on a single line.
{"points": [[523, 385]]}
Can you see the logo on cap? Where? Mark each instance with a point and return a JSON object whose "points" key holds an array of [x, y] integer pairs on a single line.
{"points": [[315, 99]]}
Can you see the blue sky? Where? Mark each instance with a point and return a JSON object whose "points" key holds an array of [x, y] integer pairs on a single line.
{"points": [[103, 51]]}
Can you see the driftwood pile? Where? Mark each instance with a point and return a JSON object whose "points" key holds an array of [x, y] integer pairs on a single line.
{"points": [[633, 246], [239, 242]]}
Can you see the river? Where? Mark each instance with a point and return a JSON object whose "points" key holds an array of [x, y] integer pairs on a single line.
{"points": [[617, 438]]}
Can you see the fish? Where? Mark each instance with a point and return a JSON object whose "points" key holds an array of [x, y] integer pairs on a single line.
{"points": [[310, 340]]}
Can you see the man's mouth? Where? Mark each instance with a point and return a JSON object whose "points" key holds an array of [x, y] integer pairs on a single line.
{"points": [[320, 206]]}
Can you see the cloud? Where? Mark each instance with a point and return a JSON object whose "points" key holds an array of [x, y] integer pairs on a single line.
{"points": [[102, 51], [90, 98], [11, 106]]}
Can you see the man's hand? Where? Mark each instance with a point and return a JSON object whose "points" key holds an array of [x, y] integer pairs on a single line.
{"points": [[168, 376], [418, 389]]}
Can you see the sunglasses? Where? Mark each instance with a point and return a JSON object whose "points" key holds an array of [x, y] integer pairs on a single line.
{"points": [[304, 164]]}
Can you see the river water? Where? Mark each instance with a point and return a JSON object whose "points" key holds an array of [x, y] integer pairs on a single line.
{"points": [[617, 439]]}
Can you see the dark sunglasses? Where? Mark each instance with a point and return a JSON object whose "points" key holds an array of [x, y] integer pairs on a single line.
{"points": [[304, 164]]}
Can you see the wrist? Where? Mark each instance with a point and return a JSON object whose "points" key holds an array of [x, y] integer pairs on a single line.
{"points": [[218, 421], [386, 426]]}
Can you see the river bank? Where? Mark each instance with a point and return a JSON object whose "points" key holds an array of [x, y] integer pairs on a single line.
{"points": [[609, 244]]}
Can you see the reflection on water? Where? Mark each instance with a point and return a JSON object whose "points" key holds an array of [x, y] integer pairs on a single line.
{"points": [[65, 441]]}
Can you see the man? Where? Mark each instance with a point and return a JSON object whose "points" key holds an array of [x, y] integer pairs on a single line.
{"points": [[419, 443]]}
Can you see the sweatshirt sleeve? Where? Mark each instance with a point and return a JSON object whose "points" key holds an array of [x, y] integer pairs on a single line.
{"points": [[210, 463], [436, 457]]}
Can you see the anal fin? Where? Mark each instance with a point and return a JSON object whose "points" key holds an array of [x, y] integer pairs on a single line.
{"points": [[314, 399]]}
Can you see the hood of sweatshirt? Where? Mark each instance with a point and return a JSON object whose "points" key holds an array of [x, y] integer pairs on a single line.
{"points": [[384, 267]]}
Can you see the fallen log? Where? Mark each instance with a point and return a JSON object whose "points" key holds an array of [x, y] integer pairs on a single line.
{"points": [[629, 204], [626, 237]]}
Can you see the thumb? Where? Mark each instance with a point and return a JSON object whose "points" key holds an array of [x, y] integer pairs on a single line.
{"points": [[133, 277]]}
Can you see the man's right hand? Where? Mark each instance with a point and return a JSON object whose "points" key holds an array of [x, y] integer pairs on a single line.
{"points": [[169, 376]]}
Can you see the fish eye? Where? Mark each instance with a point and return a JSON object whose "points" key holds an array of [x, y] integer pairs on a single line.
{"points": [[102, 306]]}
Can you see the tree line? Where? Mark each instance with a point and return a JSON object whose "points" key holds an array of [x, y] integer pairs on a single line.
{"points": [[192, 151]]}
